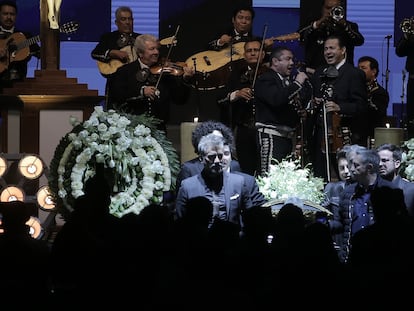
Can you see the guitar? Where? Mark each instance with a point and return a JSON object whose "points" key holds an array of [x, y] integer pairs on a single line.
{"points": [[19, 47], [208, 61], [107, 68]]}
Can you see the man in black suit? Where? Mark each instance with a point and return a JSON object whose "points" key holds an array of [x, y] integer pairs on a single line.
{"points": [[405, 48], [378, 96], [390, 165], [340, 90], [241, 31], [331, 22], [116, 47], [135, 89], [195, 166], [237, 104], [13, 70], [227, 191]]}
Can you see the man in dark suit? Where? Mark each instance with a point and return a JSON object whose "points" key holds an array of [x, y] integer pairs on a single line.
{"points": [[13, 69], [331, 22], [135, 89], [279, 100], [340, 91], [237, 107], [195, 166], [227, 191], [390, 164], [405, 48]]}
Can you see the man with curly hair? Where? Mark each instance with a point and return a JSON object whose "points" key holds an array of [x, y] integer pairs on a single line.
{"points": [[195, 166]]}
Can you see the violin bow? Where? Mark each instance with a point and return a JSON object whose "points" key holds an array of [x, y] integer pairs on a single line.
{"points": [[260, 53], [168, 56]]}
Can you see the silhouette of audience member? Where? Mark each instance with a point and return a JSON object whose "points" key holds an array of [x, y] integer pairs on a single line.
{"points": [[83, 252], [382, 254], [24, 261], [287, 249]]}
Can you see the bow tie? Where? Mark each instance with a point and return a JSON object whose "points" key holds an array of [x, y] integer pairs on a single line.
{"points": [[143, 74], [247, 76]]}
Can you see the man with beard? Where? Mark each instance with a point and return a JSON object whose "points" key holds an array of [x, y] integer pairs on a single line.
{"points": [[390, 165], [279, 102], [227, 191]]}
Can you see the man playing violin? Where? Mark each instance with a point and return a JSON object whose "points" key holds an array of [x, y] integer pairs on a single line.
{"points": [[237, 104], [347, 99], [136, 89]]}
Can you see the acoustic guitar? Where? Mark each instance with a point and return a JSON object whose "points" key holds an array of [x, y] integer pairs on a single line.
{"points": [[209, 61], [108, 68], [19, 47]]}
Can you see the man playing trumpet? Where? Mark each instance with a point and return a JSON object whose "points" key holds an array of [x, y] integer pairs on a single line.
{"points": [[331, 22], [405, 47]]}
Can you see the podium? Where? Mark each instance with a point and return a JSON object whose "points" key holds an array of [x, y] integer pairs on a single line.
{"points": [[32, 107]]}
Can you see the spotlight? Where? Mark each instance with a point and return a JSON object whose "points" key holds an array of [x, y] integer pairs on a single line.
{"points": [[35, 228], [3, 166], [12, 193], [44, 199], [31, 166]]}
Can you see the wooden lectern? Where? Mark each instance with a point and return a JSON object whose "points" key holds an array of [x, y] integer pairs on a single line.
{"points": [[37, 103]]}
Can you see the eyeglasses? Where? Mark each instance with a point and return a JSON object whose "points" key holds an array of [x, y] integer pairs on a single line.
{"points": [[212, 157]]}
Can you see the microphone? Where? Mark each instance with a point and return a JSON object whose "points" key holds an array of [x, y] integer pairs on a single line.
{"points": [[388, 37]]}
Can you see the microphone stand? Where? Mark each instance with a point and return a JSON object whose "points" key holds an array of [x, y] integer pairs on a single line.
{"points": [[387, 71], [402, 112]]}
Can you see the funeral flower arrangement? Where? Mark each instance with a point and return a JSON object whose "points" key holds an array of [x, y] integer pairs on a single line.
{"points": [[139, 161], [287, 179], [407, 167]]}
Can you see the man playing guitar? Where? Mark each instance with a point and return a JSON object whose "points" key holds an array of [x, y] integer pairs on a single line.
{"points": [[115, 48], [12, 71]]}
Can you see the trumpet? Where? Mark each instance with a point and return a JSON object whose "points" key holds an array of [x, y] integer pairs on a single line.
{"points": [[337, 13], [407, 25]]}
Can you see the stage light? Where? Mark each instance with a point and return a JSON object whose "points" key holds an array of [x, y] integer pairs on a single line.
{"points": [[45, 199], [3, 166], [35, 228], [12, 193], [31, 166]]}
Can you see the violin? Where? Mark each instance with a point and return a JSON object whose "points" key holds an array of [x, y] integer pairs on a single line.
{"points": [[169, 68]]}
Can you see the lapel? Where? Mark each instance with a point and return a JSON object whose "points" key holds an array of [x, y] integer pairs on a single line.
{"points": [[228, 190]]}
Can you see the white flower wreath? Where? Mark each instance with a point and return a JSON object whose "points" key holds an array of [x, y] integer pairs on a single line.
{"points": [[139, 165]]}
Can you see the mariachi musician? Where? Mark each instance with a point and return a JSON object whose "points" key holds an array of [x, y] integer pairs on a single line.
{"points": [[115, 48], [236, 106], [378, 96], [148, 86], [340, 91], [278, 108]]}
